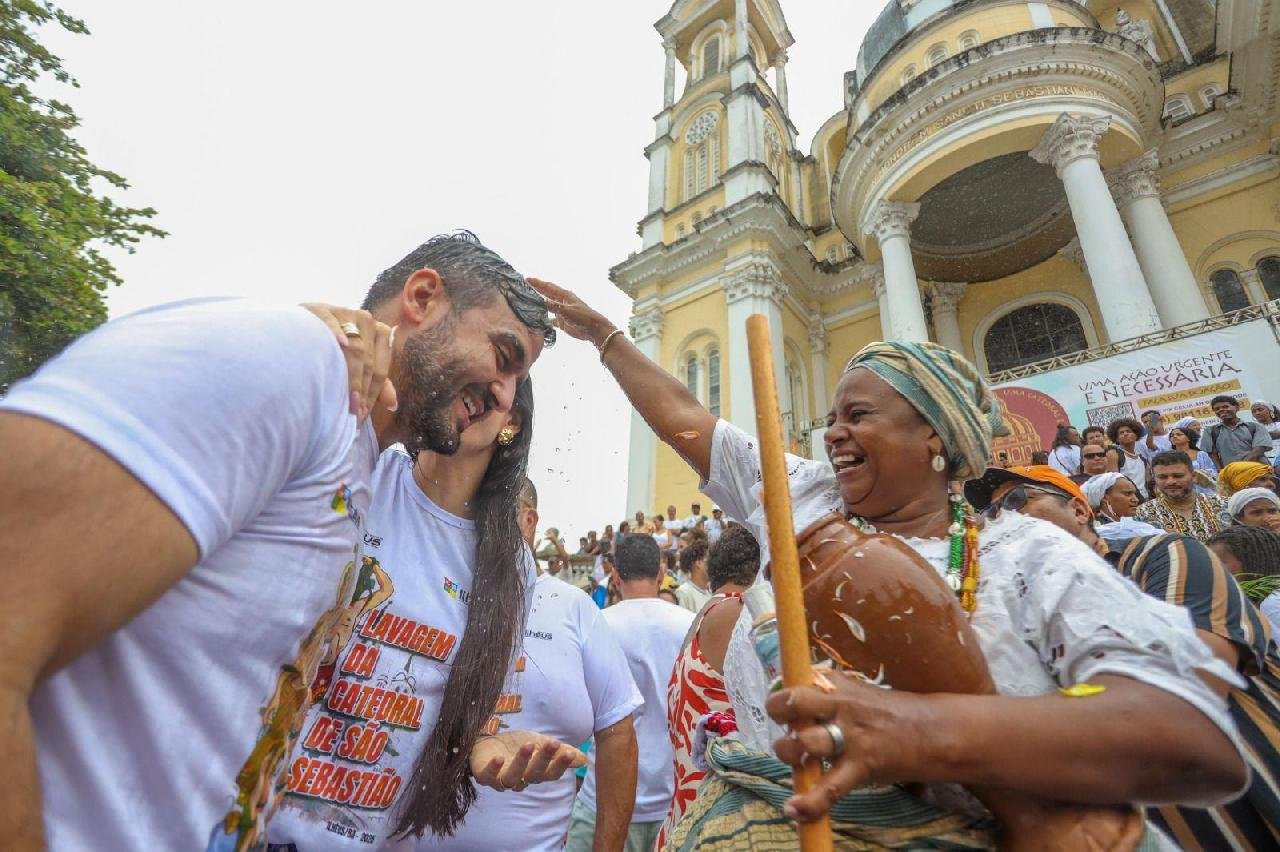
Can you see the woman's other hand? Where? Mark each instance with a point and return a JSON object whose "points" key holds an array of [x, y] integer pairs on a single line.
{"points": [[368, 355], [516, 759]]}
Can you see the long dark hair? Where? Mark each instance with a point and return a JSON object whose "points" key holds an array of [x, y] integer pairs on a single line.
{"points": [[1063, 437], [440, 790]]}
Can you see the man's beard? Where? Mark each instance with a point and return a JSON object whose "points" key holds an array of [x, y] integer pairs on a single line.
{"points": [[427, 389]]}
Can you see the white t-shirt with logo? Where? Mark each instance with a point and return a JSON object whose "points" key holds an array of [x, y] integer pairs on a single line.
{"points": [[572, 681], [652, 631], [235, 415], [378, 695]]}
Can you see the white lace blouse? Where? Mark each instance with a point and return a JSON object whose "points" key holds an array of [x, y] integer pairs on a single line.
{"points": [[1050, 613]]}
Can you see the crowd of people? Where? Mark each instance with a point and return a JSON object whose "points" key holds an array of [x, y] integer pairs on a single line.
{"points": [[280, 584]]}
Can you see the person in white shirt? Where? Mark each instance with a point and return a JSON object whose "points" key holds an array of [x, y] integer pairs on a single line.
{"points": [[672, 524], [401, 709], [192, 484], [694, 592], [651, 632], [908, 419], [1156, 440], [716, 526], [695, 515], [571, 683], [1065, 455]]}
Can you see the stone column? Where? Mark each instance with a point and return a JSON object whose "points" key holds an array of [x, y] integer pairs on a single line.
{"points": [[944, 297], [882, 299], [646, 331], [751, 286], [1174, 290], [669, 82], [1253, 287], [742, 47], [1071, 147], [780, 77], [890, 222]]}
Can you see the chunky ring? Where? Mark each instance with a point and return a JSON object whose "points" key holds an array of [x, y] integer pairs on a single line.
{"points": [[837, 739], [350, 329]]}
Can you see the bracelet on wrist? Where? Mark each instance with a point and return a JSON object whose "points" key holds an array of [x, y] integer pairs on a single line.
{"points": [[604, 346]]}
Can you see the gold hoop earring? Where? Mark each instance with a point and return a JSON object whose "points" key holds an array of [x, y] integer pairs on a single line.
{"points": [[507, 436]]}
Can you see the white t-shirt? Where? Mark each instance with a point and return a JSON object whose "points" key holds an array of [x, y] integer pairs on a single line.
{"points": [[236, 416], [1162, 445], [1065, 460], [378, 697], [692, 522], [1135, 468], [652, 632], [572, 681], [691, 597], [714, 529], [1051, 613]]}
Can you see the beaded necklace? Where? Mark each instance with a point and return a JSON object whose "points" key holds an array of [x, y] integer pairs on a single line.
{"points": [[962, 559]]}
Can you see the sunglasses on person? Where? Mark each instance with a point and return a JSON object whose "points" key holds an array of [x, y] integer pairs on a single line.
{"points": [[1016, 498], [1101, 455]]}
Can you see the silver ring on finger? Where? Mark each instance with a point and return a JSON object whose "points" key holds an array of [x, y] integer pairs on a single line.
{"points": [[350, 329], [837, 739]]}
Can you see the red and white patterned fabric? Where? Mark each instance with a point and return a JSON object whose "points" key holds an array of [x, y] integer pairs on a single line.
{"points": [[695, 690]]}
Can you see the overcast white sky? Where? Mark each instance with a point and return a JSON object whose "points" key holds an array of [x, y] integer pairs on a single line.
{"points": [[293, 150]]}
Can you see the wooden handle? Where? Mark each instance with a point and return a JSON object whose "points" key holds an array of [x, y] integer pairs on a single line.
{"points": [[793, 630]]}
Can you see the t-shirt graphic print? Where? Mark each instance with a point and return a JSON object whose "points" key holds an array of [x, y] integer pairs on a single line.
{"points": [[376, 692]]}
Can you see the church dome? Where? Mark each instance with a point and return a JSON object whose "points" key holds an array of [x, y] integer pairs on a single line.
{"points": [[892, 27]]}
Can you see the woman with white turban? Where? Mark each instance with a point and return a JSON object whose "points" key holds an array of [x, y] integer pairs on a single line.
{"points": [[907, 420], [1256, 507], [1112, 496]]}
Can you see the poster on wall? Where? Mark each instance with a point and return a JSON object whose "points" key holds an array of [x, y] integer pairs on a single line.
{"points": [[1177, 378]]}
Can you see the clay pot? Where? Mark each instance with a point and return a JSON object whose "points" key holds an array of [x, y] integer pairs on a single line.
{"points": [[881, 609]]}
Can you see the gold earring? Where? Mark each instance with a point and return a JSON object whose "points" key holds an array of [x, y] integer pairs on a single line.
{"points": [[507, 436]]}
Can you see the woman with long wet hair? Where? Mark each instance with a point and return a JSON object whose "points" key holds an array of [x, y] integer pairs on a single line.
{"points": [[401, 729]]}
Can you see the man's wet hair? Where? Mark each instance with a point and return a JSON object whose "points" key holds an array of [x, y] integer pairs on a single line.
{"points": [[473, 274]]}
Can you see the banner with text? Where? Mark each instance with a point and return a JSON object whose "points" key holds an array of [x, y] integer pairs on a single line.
{"points": [[1177, 378]]}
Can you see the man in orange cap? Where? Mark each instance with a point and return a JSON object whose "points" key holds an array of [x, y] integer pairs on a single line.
{"points": [[1180, 570]]}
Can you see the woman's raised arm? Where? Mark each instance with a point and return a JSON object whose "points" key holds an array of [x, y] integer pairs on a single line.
{"points": [[671, 411]]}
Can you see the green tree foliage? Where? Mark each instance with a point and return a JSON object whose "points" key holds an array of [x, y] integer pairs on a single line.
{"points": [[53, 221]]}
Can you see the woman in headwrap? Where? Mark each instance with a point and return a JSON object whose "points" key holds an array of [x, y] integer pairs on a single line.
{"points": [[908, 419], [1240, 475], [1255, 507], [1112, 495], [1268, 416]]}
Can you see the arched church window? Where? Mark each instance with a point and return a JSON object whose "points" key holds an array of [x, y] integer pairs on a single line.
{"points": [[1031, 334], [1208, 93], [908, 74], [937, 54], [1178, 107], [1228, 289], [691, 375], [702, 156], [1269, 275], [713, 381], [969, 40], [711, 57]]}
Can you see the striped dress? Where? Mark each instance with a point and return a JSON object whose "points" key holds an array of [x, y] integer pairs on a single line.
{"points": [[1180, 570]]}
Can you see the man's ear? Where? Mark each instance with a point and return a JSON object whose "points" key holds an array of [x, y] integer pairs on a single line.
{"points": [[423, 300], [1082, 511]]}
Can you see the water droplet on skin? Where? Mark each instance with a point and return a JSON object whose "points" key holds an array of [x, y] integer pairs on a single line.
{"points": [[688, 436]]}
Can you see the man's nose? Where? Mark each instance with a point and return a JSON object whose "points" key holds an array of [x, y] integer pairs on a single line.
{"points": [[504, 393]]}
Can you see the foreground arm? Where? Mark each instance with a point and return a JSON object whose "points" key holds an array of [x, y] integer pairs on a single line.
{"points": [[1133, 743], [84, 547], [616, 758], [672, 412]]}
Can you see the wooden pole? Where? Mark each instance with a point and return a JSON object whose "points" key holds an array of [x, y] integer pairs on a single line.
{"points": [[793, 630]]}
